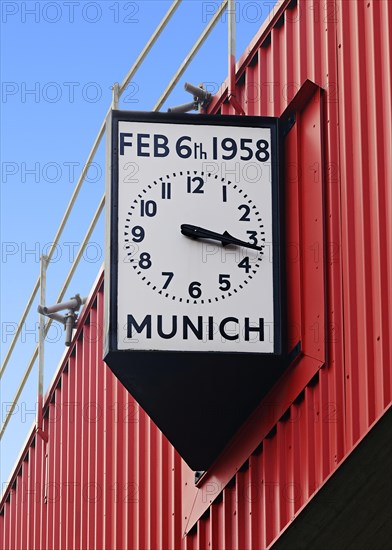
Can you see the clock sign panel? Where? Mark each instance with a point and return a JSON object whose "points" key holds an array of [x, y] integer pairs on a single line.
{"points": [[193, 285], [196, 234]]}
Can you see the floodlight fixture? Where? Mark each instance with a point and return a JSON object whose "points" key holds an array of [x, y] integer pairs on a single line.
{"points": [[69, 320], [201, 98]]}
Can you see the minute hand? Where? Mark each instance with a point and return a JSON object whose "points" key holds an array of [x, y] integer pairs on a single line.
{"points": [[225, 238]]}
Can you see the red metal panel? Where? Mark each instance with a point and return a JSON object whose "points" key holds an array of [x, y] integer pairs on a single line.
{"points": [[10, 536], [29, 499], [365, 91], [19, 507], [107, 478]]}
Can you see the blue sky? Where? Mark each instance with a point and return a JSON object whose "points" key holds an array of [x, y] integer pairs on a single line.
{"points": [[59, 60]]}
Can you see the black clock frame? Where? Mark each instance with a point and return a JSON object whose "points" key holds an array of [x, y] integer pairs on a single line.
{"points": [[211, 393]]}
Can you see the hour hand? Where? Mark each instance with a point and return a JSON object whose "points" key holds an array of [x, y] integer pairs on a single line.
{"points": [[196, 232]]}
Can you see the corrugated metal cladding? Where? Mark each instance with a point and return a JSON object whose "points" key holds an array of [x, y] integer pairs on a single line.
{"points": [[107, 478]]}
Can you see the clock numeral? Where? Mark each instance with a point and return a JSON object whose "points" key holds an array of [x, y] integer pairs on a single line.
{"points": [[245, 215], [245, 264], [166, 190], [169, 275], [138, 233], [148, 208], [199, 184], [224, 193], [145, 260], [252, 237], [224, 281], [194, 289]]}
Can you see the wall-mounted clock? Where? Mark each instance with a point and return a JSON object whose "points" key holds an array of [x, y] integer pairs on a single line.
{"points": [[193, 265]]}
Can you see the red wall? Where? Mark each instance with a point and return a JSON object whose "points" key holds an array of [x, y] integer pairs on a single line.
{"points": [[107, 478]]}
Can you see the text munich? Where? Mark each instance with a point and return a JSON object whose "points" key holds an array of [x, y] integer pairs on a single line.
{"points": [[199, 328]]}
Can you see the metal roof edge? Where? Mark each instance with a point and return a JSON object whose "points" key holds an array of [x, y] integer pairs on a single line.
{"points": [[274, 15], [7, 485], [68, 351], [266, 27]]}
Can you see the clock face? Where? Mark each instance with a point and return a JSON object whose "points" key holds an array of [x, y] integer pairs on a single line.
{"points": [[192, 248], [196, 270]]}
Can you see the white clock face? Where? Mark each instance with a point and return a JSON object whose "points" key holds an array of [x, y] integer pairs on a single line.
{"points": [[195, 257], [193, 270]]}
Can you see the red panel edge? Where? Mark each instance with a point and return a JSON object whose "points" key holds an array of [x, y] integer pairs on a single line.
{"points": [[269, 23]]}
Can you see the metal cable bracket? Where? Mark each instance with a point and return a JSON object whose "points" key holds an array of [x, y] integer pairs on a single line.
{"points": [[69, 320], [201, 98]]}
